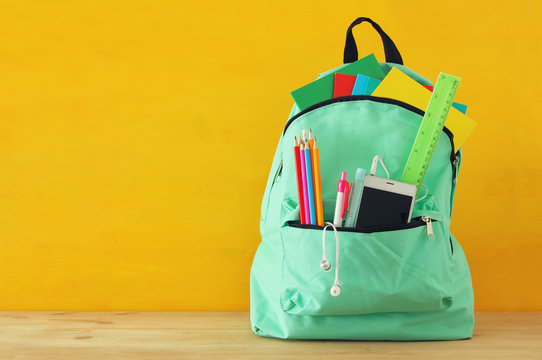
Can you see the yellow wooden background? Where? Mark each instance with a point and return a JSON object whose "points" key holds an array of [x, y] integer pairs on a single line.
{"points": [[136, 139]]}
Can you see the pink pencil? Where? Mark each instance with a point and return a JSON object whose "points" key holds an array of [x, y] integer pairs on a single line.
{"points": [[304, 178]]}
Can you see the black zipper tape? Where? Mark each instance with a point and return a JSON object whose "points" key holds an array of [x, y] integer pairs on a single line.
{"points": [[374, 99], [414, 223]]}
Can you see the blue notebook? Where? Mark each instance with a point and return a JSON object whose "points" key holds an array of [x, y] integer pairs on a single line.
{"points": [[365, 85]]}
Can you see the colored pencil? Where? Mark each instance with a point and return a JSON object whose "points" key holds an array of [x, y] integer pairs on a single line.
{"points": [[311, 139], [299, 181], [317, 185], [311, 145], [304, 179], [310, 187]]}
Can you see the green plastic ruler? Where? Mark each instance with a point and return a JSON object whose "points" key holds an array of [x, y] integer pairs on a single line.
{"points": [[430, 129]]}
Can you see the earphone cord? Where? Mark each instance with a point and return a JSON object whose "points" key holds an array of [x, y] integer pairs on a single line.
{"points": [[325, 263], [376, 159], [425, 195]]}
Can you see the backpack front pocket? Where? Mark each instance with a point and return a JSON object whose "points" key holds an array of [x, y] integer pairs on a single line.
{"points": [[379, 271]]}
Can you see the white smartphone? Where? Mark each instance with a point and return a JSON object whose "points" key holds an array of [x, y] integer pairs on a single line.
{"points": [[385, 202]]}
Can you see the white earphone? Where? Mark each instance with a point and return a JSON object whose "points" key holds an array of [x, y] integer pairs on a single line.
{"points": [[326, 265]]}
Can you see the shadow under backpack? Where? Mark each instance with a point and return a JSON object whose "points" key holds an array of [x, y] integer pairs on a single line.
{"points": [[396, 284]]}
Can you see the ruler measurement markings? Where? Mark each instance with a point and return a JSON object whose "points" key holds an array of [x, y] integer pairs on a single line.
{"points": [[430, 129]]}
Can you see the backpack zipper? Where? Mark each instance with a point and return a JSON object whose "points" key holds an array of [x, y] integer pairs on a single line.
{"points": [[430, 234], [414, 223], [455, 163], [278, 173], [374, 99]]}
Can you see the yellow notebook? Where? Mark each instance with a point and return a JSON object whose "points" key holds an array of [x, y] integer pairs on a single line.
{"points": [[398, 85]]}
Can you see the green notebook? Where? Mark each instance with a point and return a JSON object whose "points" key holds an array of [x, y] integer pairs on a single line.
{"points": [[322, 88]]}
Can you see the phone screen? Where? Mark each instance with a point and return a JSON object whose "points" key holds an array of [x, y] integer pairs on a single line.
{"points": [[380, 207]]}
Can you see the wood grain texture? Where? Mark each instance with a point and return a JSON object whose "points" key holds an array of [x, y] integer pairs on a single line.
{"points": [[227, 335]]}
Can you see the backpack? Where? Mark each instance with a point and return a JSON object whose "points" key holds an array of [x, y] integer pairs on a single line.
{"points": [[397, 283]]}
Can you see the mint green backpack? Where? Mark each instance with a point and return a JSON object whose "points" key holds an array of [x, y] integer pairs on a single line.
{"points": [[396, 283]]}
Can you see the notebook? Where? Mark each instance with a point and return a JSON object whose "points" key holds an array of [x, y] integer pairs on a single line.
{"points": [[398, 85], [322, 88], [343, 85], [365, 85]]}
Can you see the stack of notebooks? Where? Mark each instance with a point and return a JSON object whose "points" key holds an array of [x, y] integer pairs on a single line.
{"points": [[365, 77]]}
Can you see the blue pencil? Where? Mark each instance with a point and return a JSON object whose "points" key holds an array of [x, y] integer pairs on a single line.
{"points": [[310, 187]]}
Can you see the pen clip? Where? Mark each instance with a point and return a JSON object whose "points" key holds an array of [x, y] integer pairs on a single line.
{"points": [[346, 197], [350, 196]]}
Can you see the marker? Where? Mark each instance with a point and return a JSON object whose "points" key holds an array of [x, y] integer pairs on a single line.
{"points": [[317, 185], [342, 200], [355, 198], [299, 181], [310, 187], [304, 180]]}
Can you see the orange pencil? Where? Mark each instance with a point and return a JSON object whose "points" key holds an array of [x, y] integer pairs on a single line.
{"points": [[311, 139], [317, 185]]}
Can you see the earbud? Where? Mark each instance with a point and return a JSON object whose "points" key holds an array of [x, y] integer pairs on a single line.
{"points": [[325, 265], [335, 290]]}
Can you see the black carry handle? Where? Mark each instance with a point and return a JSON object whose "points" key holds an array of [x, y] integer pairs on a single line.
{"points": [[351, 50]]}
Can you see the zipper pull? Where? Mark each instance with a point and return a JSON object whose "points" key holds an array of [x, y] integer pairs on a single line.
{"points": [[456, 169], [430, 234], [278, 173]]}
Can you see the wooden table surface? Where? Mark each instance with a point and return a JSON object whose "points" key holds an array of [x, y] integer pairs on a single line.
{"points": [[227, 335]]}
